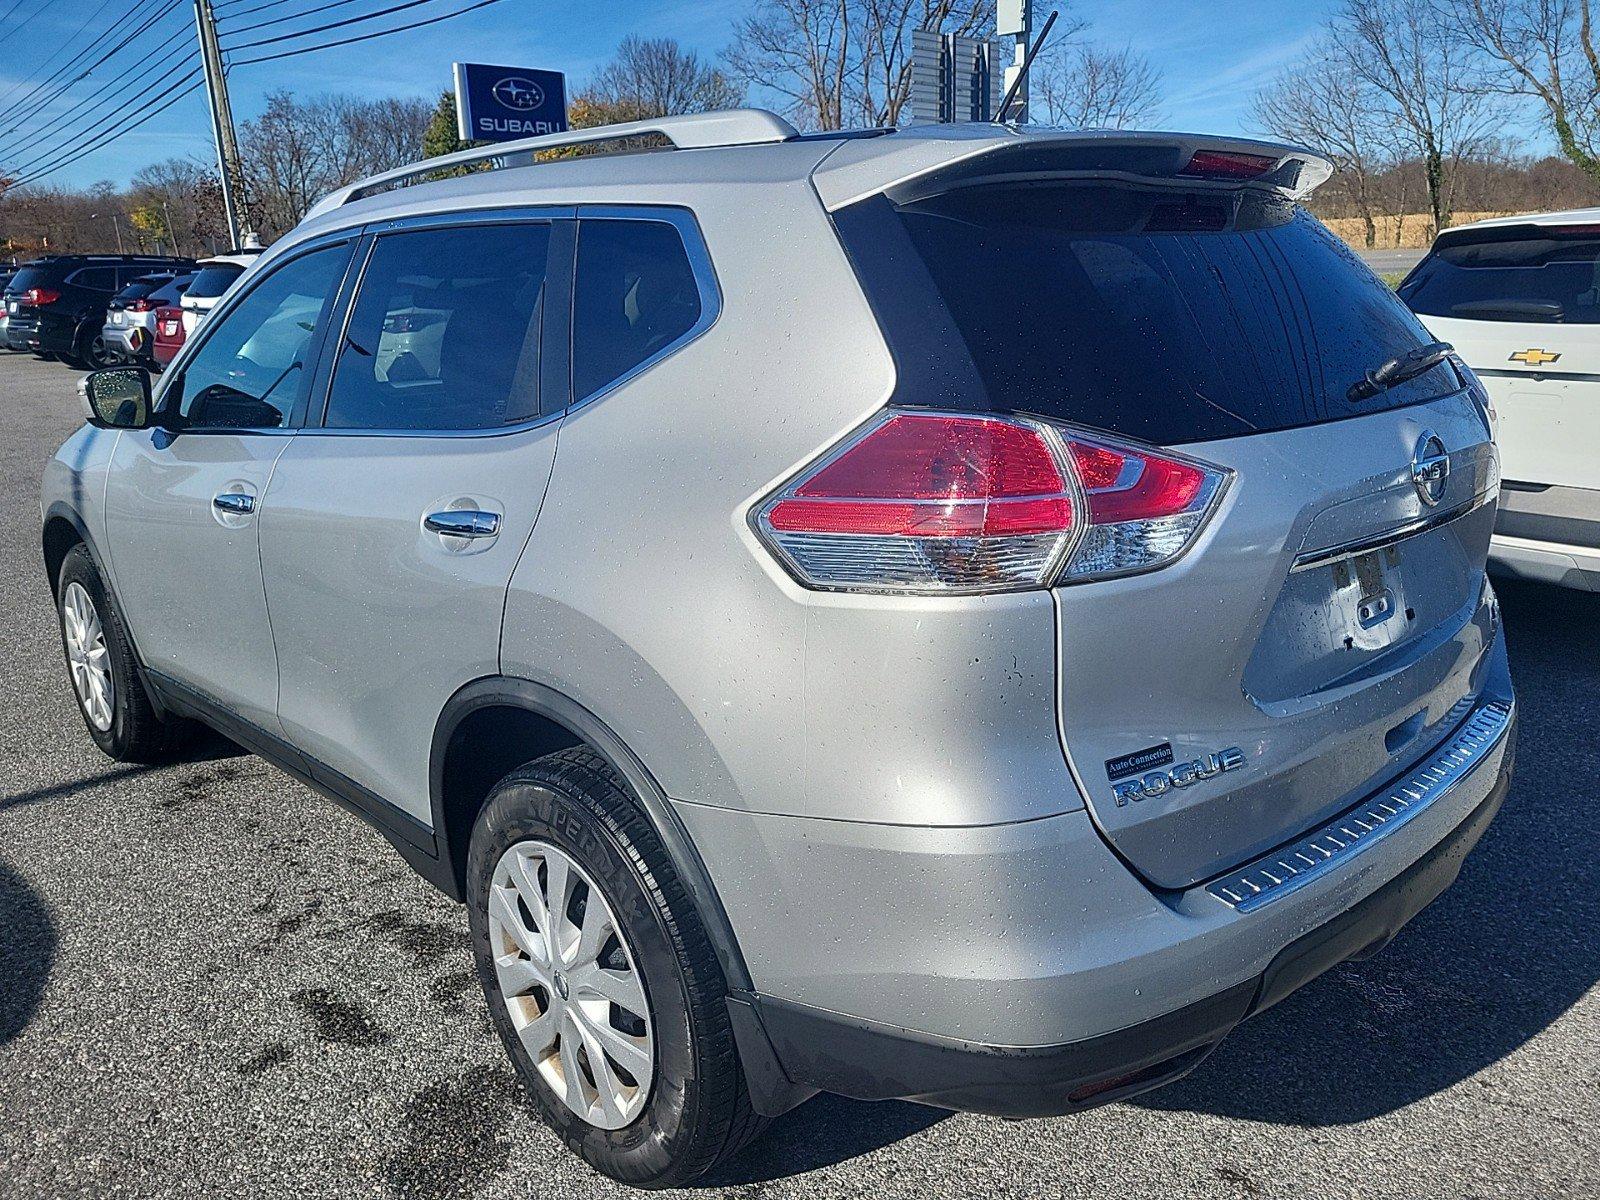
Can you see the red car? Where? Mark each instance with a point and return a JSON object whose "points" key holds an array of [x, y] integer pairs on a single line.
{"points": [[169, 334]]}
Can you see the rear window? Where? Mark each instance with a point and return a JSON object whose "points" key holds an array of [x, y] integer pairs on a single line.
{"points": [[1143, 311], [1517, 273], [212, 280], [30, 277], [139, 289]]}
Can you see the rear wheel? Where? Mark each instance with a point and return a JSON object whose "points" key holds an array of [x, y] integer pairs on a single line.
{"points": [[90, 351], [600, 978], [100, 663]]}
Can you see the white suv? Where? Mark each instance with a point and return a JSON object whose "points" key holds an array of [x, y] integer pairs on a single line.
{"points": [[1519, 298]]}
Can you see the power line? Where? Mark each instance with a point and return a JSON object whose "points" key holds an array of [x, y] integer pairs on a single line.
{"points": [[292, 17], [89, 70], [23, 24], [355, 20], [111, 96], [365, 37], [87, 127], [111, 137], [65, 42]]}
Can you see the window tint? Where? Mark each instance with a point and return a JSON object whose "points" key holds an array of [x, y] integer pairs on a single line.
{"points": [[251, 367], [636, 295], [445, 331], [99, 279], [1518, 274], [169, 293], [1150, 312], [213, 280], [140, 288], [30, 277]]}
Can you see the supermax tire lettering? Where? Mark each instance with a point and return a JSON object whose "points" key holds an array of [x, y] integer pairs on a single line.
{"points": [[1157, 783]]}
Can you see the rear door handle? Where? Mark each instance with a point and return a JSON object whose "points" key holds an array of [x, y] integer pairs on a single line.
{"points": [[462, 523], [237, 503]]}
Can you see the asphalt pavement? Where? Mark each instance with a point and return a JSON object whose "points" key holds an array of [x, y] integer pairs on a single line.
{"points": [[213, 983], [1391, 261]]}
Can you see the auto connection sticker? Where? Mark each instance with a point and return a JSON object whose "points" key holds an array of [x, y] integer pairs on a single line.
{"points": [[1140, 760]]}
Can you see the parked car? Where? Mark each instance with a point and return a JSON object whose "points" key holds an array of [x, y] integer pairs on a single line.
{"points": [[6, 276], [212, 281], [129, 331], [977, 647], [1519, 298], [168, 337], [56, 306]]}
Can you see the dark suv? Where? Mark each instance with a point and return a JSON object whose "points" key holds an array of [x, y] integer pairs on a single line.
{"points": [[56, 306]]}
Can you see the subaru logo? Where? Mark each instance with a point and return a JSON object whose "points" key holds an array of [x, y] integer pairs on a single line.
{"points": [[1430, 468], [519, 93]]}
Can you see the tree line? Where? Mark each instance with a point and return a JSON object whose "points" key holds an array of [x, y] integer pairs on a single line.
{"points": [[1414, 101]]}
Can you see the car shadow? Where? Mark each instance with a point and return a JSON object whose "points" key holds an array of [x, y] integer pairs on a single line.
{"points": [[27, 952], [1495, 960], [823, 1132]]}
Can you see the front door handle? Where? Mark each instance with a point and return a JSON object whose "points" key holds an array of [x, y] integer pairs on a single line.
{"points": [[462, 523], [236, 503]]}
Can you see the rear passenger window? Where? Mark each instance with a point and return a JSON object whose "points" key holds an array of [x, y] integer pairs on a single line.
{"points": [[636, 296], [99, 279], [445, 331]]}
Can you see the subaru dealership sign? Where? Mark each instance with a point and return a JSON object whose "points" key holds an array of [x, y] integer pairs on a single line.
{"points": [[500, 104]]}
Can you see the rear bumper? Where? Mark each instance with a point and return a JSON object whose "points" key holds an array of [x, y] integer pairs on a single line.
{"points": [[1023, 970], [132, 343], [833, 1053], [41, 332], [1548, 535]]}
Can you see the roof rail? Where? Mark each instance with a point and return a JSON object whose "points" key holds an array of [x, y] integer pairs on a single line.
{"points": [[692, 131]]}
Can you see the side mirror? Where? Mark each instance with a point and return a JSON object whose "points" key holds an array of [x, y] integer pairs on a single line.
{"points": [[117, 398]]}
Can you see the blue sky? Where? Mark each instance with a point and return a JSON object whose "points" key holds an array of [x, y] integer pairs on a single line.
{"points": [[1211, 56]]}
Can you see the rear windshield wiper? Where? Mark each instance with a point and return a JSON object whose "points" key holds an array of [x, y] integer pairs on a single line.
{"points": [[1414, 362]]}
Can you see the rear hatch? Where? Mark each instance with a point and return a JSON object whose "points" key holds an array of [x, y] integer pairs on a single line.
{"points": [[1521, 303], [29, 282], [1327, 623]]}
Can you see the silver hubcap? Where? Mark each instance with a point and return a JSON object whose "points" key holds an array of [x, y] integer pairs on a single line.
{"points": [[571, 984], [87, 656]]}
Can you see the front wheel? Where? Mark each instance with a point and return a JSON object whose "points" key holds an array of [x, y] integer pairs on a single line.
{"points": [[100, 663], [600, 978]]}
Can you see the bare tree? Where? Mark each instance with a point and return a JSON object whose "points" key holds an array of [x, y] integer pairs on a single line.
{"points": [[1084, 86], [1319, 104], [297, 150], [1544, 49], [844, 62], [1423, 80], [656, 77]]}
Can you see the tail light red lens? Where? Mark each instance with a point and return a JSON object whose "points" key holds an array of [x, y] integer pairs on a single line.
{"points": [[930, 503], [37, 296], [1227, 164]]}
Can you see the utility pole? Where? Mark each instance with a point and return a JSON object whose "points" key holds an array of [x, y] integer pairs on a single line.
{"points": [[1014, 19], [221, 115]]}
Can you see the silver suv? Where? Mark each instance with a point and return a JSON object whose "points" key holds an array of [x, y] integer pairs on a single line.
{"points": [[962, 614]]}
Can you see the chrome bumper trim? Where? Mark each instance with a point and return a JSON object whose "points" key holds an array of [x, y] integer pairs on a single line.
{"points": [[1284, 871]]}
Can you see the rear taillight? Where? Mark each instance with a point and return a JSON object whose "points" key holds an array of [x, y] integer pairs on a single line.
{"points": [[1144, 507], [37, 296], [931, 503]]}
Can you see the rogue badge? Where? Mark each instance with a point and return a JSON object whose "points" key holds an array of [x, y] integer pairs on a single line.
{"points": [[1157, 783]]}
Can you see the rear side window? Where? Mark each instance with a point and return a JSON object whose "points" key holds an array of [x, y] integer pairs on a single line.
{"points": [[213, 280], [96, 279], [445, 331], [139, 289], [636, 297], [1148, 312], [1520, 273], [169, 293]]}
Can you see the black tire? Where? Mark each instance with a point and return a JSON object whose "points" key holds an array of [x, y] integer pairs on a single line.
{"points": [[137, 733], [698, 1112], [90, 352]]}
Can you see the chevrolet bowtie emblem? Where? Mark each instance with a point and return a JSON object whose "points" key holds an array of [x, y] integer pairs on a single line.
{"points": [[1534, 356]]}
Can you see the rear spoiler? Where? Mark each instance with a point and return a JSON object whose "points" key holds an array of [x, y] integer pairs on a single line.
{"points": [[924, 160]]}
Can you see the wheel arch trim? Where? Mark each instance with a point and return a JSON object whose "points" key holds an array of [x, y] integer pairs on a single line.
{"points": [[546, 702]]}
